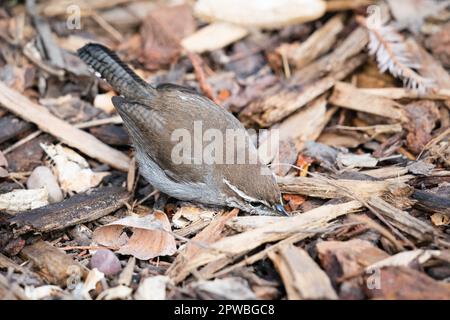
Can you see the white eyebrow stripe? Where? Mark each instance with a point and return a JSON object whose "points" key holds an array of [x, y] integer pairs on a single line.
{"points": [[243, 195]]}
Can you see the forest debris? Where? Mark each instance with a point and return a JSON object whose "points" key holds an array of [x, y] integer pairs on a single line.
{"points": [[327, 188], [21, 200], [275, 107], [317, 44], [213, 232], [56, 7], [42, 177], [151, 236], [162, 32], [93, 277], [188, 214], [74, 174], [198, 65], [77, 209], [30, 111], [432, 202], [402, 93], [439, 43], [314, 114], [230, 288], [401, 283], [45, 292], [214, 36], [120, 292], [106, 262], [406, 259], [347, 96], [103, 102], [111, 134], [343, 5], [356, 160], [245, 223], [11, 127], [402, 219], [53, 264], [342, 259], [440, 219], [393, 54], [411, 14], [305, 224], [422, 116], [126, 276], [302, 277], [28, 155], [273, 14], [152, 288]]}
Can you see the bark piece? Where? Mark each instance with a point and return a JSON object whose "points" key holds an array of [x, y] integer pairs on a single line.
{"points": [[289, 98], [52, 264], [302, 277], [11, 127], [180, 267], [402, 283], [317, 43], [77, 209], [240, 244], [347, 96], [348, 258]]}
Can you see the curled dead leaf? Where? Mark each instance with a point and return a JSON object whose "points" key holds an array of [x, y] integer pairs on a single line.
{"points": [[151, 236]]}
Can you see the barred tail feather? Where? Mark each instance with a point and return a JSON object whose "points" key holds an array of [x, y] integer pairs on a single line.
{"points": [[108, 66]]}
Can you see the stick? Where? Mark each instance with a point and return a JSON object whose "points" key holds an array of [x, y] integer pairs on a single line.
{"points": [[68, 134]]}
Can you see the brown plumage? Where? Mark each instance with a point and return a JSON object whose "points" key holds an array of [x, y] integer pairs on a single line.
{"points": [[153, 114]]}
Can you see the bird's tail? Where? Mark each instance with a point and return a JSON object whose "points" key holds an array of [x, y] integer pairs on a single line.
{"points": [[108, 66]]}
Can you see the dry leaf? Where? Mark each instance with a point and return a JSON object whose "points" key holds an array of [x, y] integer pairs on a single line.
{"points": [[72, 170], [147, 241]]}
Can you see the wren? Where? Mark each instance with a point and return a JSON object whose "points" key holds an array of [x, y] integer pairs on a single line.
{"points": [[154, 115]]}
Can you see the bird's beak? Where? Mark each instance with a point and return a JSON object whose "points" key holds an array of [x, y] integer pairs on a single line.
{"points": [[281, 211]]}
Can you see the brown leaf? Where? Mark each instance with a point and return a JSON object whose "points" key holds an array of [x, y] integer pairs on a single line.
{"points": [[162, 32], [148, 240]]}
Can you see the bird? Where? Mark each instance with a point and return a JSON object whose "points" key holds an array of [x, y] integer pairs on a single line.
{"points": [[165, 120]]}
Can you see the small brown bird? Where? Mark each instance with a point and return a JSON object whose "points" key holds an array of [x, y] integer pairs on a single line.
{"points": [[158, 117]]}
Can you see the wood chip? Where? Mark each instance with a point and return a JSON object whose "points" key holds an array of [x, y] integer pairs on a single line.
{"points": [[77, 209], [302, 277], [54, 265]]}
